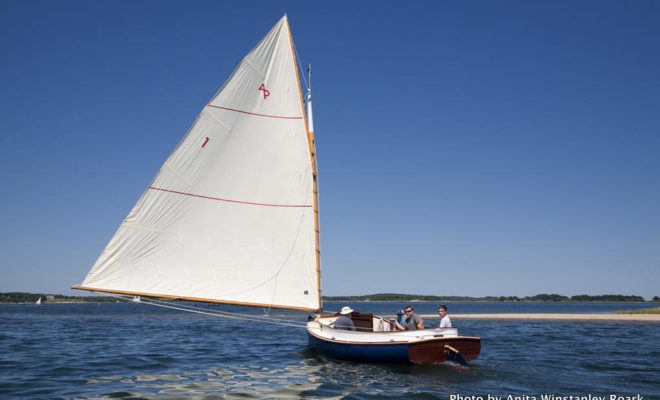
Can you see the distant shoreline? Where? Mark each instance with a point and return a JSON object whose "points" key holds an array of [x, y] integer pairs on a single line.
{"points": [[54, 302], [488, 301], [114, 300], [544, 297], [27, 298], [563, 316]]}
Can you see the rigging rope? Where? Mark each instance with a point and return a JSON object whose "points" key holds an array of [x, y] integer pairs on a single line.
{"points": [[221, 313], [213, 313], [300, 66], [231, 315]]}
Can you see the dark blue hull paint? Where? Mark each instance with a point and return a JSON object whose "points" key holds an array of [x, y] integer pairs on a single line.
{"points": [[385, 353]]}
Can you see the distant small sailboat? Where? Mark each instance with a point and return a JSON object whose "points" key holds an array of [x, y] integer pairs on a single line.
{"points": [[38, 301], [232, 217]]}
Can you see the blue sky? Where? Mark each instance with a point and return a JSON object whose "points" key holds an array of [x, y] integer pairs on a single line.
{"points": [[465, 148]]}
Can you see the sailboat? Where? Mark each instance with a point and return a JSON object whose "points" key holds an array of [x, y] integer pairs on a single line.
{"points": [[38, 301], [232, 217]]}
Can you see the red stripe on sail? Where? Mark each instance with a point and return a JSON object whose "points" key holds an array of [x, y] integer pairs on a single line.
{"points": [[229, 200], [255, 114]]}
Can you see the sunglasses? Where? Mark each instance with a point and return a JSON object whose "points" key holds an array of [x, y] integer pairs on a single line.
{"points": [[409, 311]]}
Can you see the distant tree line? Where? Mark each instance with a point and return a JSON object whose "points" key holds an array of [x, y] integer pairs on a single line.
{"points": [[608, 297], [538, 297], [21, 297]]}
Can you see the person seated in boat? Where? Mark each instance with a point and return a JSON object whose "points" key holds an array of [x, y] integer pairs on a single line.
{"points": [[445, 322], [395, 323], [411, 321], [344, 322]]}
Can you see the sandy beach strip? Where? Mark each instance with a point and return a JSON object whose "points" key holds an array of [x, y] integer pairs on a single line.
{"points": [[571, 317]]}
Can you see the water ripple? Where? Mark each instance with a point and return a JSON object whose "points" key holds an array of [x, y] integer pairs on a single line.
{"points": [[129, 351]]}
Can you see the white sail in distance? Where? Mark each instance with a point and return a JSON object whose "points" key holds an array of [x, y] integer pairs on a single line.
{"points": [[230, 216]]}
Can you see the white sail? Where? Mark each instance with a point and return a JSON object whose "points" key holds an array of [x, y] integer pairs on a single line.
{"points": [[229, 217]]}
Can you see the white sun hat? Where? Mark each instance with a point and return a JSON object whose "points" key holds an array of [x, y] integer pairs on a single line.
{"points": [[346, 310]]}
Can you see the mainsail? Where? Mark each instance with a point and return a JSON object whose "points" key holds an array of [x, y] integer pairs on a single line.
{"points": [[231, 217]]}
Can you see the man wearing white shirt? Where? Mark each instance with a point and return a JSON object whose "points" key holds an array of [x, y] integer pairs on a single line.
{"points": [[445, 322]]}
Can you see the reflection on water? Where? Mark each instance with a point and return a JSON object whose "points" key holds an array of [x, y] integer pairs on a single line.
{"points": [[310, 378], [249, 381]]}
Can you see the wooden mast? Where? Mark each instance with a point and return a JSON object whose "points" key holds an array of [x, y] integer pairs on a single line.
{"points": [[312, 154]]}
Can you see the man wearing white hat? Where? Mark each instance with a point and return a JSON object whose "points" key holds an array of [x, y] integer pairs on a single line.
{"points": [[344, 322]]}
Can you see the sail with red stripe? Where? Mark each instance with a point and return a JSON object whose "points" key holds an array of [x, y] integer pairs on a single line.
{"points": [[231, 215]]}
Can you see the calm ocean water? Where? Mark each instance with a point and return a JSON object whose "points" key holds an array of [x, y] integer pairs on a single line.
{"points": [[131, 350]]}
